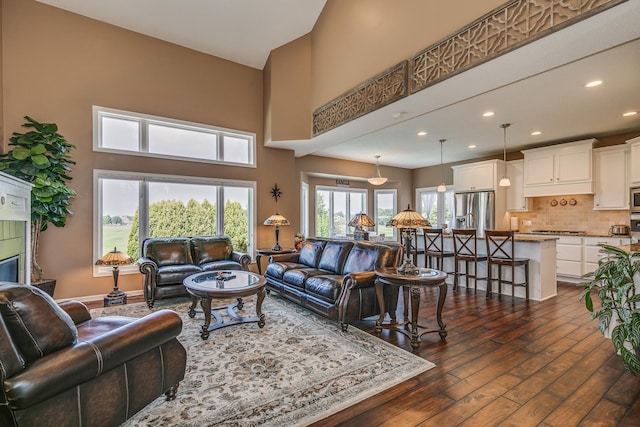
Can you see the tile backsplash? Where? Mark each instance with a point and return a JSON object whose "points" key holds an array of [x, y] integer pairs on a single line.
{"points": [[570, 213]]}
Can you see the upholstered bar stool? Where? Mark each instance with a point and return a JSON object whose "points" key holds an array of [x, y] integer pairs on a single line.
{"points": [[501, 252], [434, 248], [465, 249]]}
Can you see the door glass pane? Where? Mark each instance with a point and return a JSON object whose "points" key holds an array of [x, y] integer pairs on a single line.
{"points": [[322, 213], [236, 217], [384, 205], [120, 134], [120, 224], [339, 221], [182, 142], [181, 210]]}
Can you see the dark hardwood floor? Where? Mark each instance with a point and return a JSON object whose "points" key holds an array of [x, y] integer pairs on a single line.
{"points": [[505, 363]]}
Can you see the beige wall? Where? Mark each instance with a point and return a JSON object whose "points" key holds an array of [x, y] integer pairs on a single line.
{"points": [[357, 39], [56, 65]]}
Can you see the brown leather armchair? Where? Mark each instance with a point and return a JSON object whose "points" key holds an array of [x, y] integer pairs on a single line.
{"points": [[58, 366]]}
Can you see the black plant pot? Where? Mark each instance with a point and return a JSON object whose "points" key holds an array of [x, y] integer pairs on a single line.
{"points": [[47, 285]]}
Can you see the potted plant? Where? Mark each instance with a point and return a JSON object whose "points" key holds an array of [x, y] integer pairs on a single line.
{"points": [[41, 157], [619, 315]]}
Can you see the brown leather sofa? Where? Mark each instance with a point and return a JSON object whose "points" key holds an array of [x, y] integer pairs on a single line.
{"points": [[335, 278], [60, 367], [166, 261]]}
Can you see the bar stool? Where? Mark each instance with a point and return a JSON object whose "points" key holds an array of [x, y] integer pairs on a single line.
{"points": [[500, 251], [434, 248], [465, 249]]}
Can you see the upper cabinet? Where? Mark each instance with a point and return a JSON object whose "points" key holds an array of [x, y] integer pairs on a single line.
{"points": [[559, 170], [634, 160], [515, 192], [477, 176], [610, 178]]}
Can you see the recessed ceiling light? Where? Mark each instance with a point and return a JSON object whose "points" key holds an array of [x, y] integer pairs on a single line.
{"points": [[630, 113], [594, 83], [488, 114], [472, 146], [537, 132], [422, 133]]}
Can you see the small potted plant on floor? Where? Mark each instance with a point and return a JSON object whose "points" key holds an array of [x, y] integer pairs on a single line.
{"points": [[619, 313], [42, 157]]}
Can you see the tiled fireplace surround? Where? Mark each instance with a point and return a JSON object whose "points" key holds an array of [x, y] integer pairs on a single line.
{"points": [[577, 217], [15, 213], [13, 241]]}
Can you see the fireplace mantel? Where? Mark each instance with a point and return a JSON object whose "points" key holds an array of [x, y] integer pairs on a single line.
{"points": [[15, 217]]}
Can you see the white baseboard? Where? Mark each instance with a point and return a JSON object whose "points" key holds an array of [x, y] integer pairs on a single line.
{"points": [[100, 297]]}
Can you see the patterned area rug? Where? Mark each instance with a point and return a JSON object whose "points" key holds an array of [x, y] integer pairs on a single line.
{"points": [[298, 369]]}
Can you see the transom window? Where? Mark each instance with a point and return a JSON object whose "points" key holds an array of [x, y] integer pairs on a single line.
{"points": [[145, 135], [130, 207]]}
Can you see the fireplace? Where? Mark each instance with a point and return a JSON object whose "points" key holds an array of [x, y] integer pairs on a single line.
{"points": [[9, 268], [15, 229]]}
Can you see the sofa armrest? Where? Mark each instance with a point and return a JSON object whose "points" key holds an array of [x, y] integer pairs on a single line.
{"points": [[360, 279], [292, 257], [78, 311], [147, 265], [74, 365], [243, 259]]}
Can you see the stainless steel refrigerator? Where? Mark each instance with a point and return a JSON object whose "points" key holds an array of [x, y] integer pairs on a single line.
{"points": [[475, 210]]}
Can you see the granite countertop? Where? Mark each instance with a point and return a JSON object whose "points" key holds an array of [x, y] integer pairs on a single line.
{"points": [[523, 238], [634, 247], [569, 233]]}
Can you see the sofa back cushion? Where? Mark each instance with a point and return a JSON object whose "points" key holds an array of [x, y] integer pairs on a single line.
{"points": [[211, 248], [168, 250], [310, 252], [11, 361], [333, 256], [37, 325], [368, 256]]}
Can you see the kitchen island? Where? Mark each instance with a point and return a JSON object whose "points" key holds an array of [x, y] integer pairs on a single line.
{"points": [[541, 252]]}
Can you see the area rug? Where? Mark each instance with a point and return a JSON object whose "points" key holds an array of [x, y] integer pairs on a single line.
{"points": [[298, 369]]}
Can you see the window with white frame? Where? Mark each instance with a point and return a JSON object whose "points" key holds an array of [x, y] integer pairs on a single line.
{"points": [[335, 207], [385, 209], [145, 135], [130, 207], [436, 207]]}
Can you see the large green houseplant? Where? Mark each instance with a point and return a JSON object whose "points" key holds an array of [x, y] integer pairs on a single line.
{"points": [[619, 314], [41, 157]]}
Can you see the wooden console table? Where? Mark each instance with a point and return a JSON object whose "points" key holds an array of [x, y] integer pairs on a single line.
{"points": [[411, 285]]}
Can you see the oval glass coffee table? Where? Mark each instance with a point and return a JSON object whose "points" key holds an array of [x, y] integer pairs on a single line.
{"points": [[224, 285]]}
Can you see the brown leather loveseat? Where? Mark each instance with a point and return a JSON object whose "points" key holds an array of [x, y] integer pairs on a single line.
{"points": [[335, 278], [60, 367], [166, 261]]}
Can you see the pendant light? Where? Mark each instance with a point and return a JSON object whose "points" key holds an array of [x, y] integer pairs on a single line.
{"points": [[378, 179], [442, 187], [505, 182]]}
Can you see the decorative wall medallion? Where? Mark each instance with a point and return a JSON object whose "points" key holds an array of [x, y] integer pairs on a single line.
{"points": [[276, 192]]}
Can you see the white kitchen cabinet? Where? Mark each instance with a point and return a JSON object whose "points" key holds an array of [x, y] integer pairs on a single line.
{"points": [[610, 178], [515, 193], [562, 169], [592, 247], [477, 176], [634, 160], [569, 256]]}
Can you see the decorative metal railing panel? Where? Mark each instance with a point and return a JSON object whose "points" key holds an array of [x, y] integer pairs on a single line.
{"points": [[511, 26], [377, 92]]}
